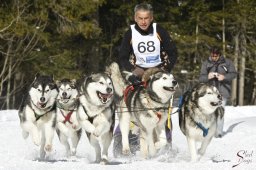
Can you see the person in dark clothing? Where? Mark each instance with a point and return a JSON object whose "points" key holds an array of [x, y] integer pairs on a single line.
{"points": [[219, 72], [146, 45]]}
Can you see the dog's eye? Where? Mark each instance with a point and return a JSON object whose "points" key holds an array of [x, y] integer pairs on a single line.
{"points": [[39, 90], [164, 78], [69, 88], [209, 93], [101, 82], [47, 91]]}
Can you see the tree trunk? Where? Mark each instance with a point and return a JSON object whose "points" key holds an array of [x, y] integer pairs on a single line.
{"points": [[253, 101], [234, 82], [196, 43], [223, 31], [8, 94]]}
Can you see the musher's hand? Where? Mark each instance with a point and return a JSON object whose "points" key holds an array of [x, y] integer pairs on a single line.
{"points": [[134, 80]]}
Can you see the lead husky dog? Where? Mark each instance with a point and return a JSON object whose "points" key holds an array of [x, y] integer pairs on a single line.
{"points": [[37, 113], [146, 106], [96, 112], [198, 117], [67, 123]]}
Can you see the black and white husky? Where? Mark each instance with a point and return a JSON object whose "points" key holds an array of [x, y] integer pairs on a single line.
{"points": [[68, 126], [37, 113], [146, 106], [96, 112], [201, 108]]}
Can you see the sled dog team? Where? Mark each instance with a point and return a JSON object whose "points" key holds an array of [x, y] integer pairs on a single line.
{"points": [[70, 107]]}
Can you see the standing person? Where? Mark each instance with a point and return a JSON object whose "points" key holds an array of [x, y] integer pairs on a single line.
{"points": [[145, 45], [220, 72]]}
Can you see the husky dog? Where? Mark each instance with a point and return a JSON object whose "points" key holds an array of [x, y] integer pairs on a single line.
{"points": [[201, 107], [67, 123], [96, 112], [146, 106], [37, 112]]}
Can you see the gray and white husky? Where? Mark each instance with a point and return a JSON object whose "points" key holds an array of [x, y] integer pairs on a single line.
{"points": [[145, 106], [68, 126], [96, 112], [201, 108], [37, 112]]}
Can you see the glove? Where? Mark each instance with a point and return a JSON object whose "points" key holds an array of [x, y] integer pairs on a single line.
{"points": [[212, 75], [134, 80]]}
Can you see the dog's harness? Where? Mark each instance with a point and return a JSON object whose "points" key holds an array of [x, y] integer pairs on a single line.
{"points": [[198, 124], [67, 118], [205, 131], [130, 88], [90, 118], [37, 116]]}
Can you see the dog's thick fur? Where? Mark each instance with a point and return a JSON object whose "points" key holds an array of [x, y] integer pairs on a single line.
{"points": [[201, 107], [96, 112], [146, 107], [68, 126], [37, 113]]}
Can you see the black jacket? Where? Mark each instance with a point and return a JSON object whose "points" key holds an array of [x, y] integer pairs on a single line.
{"points": [[167, 45]]}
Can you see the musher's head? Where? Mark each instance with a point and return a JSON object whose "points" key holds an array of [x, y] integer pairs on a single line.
{"points": [[143, 15]]}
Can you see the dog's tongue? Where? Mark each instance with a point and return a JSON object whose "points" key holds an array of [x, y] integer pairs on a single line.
{"points": [[105, 97]]}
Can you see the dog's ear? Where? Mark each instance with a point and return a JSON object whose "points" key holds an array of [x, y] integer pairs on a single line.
{"points": [[57, 82], [37, 75], [52, 77], [73, 83], [126, 74]]}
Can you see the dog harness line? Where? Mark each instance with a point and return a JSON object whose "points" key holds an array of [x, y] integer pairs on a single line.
{"points": [[37, 116], [205, 131]]}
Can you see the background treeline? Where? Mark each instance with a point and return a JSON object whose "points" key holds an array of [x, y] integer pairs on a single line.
{"points": [[71, 38]]}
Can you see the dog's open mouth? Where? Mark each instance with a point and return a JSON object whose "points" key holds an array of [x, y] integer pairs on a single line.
{"points": [[214, 103], [42, 105], [104, 97], [65, 99], [169, 88]]}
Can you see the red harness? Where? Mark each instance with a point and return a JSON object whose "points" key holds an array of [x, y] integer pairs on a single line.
{"points": [[130, 88], [67, 118]]}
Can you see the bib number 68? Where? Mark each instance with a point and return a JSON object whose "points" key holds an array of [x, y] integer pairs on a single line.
{"points": [[143, 47]]}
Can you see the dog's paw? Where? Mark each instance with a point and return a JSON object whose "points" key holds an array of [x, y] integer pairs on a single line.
{"points": [[104, 160], [126, 152], [73, 151], [160, 144], [74, 126], [25, 134], [96, 133], [48, 148], [36, 141]]}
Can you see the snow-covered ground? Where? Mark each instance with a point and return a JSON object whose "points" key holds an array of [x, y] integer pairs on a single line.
{"points": [[236, 147]]}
